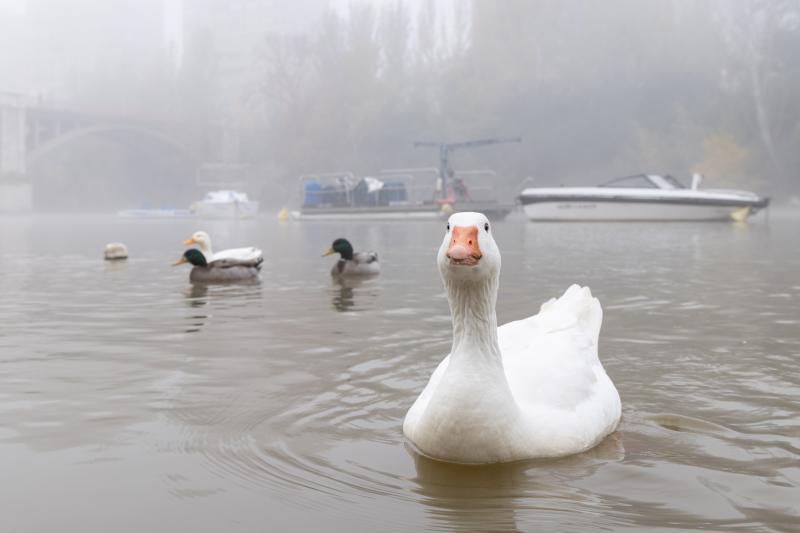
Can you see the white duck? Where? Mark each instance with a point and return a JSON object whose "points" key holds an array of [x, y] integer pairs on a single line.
{"points": [[531, 388], [203, 243]]}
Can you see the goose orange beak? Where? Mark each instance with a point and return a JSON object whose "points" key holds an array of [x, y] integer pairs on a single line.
{"points": [[189, 241], [464, 248]]}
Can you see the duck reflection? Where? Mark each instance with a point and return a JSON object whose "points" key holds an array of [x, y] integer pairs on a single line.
{"points": [[197, 295], [196, 299], [344, 294], [234, 294], [488, 497]]}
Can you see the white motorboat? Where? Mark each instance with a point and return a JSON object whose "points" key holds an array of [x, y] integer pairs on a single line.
{"points": [[640, 197], [225, 204]]}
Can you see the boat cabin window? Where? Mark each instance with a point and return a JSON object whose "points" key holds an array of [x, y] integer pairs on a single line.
{"points": [[636, 182]]}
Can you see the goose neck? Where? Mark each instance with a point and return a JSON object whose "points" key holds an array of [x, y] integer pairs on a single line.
{"points": [[472, 304]]}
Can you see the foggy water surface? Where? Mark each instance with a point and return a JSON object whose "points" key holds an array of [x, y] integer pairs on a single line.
{"points": [[134, 401]]}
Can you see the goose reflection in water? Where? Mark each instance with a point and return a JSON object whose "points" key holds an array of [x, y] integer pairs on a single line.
{"points": [[505, 496]]}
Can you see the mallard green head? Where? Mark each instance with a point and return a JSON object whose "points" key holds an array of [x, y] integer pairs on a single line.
{"points": [[341, 247], [192, 256]]}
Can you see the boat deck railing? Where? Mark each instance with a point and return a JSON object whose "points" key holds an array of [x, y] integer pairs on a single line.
{"points": [[343, 189], [477, 185], [393, 187]]}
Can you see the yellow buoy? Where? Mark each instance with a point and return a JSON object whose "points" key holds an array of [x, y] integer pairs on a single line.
{"points": [[283, 215], [741, 214]]}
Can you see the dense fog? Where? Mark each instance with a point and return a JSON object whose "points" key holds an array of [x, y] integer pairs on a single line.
{"points": [[149, 102]]}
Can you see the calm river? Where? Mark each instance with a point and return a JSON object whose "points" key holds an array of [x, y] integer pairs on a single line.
{"points": [[131, 400]]}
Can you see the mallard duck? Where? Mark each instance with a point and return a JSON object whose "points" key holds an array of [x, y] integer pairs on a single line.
{"points": [[530, 388], [115, 251], [219, 269], [203, 242], [350, 263]]}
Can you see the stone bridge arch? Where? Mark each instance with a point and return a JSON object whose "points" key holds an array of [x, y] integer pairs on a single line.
{"points": [[133, 166]]}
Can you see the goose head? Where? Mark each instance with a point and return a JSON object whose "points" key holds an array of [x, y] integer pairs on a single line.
{"points": [[468, 251], [201, 239]]}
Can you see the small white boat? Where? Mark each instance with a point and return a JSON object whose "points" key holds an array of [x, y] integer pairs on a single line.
{"points": [[226, 204], [640, 197]]}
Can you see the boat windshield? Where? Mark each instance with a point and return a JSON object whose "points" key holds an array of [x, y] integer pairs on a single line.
{"points": [[642, 181], [672, 181], [645, 181]]}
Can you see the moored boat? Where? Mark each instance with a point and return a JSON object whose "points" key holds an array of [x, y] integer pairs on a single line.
{"points": [[640, 197], [225, 204], [391, 195]]}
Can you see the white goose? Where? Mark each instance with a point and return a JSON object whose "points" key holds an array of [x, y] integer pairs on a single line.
{"points": [[531, 388]]}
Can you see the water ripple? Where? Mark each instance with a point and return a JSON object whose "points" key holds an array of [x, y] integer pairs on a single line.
{"points": [[283, 400]]}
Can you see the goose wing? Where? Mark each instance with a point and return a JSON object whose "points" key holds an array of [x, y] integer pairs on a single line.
{"points": [[550, 359]]}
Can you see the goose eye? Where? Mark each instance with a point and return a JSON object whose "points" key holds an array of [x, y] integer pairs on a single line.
{"points": [[486, 227], [448, 226]]}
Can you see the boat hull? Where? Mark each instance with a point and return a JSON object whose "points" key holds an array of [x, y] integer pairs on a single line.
{"points": [[632, 211], [226, 210], [405, 212], [155, 213]]}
